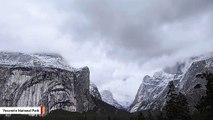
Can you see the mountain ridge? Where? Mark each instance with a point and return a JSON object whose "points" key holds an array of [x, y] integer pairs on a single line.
{"points": [[152, 91]]}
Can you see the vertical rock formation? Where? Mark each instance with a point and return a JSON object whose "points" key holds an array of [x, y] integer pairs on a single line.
{"points": [[43, 79]]}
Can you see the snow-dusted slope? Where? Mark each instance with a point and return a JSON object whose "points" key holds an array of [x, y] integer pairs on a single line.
{"points": [[94, 91], [152, 92], [33, 60], [108, 98]]}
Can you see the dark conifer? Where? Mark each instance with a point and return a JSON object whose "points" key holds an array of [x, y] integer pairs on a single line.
{"points": [[176, 107], [140, 116], [206, 102]]}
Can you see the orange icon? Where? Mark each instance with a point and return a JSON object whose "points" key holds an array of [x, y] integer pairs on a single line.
{"points": [[42, 110]]}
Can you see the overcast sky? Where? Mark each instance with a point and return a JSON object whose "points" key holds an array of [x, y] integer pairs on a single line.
{"points": [[120, 40]]}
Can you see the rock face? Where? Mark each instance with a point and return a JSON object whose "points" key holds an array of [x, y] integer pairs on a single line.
{"points": [[94, 91], [108, 98], [43, 79], [34, 60], [189, 82], [152, 92]]}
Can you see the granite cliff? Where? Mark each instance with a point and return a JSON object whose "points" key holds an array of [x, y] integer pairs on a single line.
{"points": [[152, 92], [43, 79]]}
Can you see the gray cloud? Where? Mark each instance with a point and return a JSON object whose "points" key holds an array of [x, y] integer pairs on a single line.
{"points": [[132, 25]]}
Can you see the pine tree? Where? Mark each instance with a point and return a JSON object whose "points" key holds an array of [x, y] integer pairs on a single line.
{"points": [[150, 116], [206, 102], [140, 116], [160, 116], [176, 105], [183, 112], [170, 112]]}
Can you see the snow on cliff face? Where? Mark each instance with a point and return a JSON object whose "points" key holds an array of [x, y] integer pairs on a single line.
{"points": [[108, 98], [34, 60], [150, 90], [43, 79], [189, 81], [153, 90], [94, 91]]}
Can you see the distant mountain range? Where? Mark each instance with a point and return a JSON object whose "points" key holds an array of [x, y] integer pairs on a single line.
{"points": [[46, 79], [108, 98], [105, 95]]}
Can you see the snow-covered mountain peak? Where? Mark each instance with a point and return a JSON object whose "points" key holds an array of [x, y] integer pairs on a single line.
{"points": [[161, 75], [52, 55], [107, 97], [34, 60]]}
